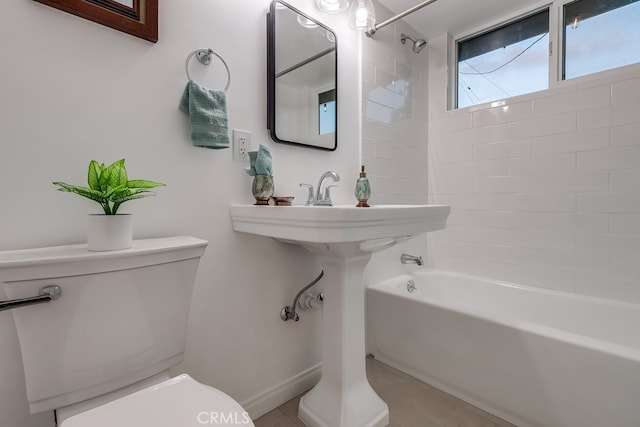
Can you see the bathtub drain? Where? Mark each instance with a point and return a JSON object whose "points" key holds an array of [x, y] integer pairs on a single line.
{"points": [[411, 286]]}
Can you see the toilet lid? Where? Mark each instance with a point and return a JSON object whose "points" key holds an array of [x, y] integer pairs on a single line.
{"points": [[176, 402]]}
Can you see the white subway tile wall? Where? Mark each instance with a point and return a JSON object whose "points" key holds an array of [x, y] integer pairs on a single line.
{"points": [[560, 206], [394, 108], [544, 188], [394, 132]]}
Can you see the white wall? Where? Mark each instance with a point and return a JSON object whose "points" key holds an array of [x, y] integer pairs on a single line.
{"points": [[544, 188], [73, 91]]}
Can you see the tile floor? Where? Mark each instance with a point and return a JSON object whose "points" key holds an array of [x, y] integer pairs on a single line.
{"points": [[412, 403]]}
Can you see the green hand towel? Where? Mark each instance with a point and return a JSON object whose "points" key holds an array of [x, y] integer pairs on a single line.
{"points": [[260, 162], [207, 110], [263, 161], [251, 170]]}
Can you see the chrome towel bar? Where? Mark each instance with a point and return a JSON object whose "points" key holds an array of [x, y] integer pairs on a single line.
{"points": [[204, 57], [47, 294]]}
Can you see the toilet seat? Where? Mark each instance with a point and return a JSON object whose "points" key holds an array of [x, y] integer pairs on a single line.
{"points": [[177, 402]]}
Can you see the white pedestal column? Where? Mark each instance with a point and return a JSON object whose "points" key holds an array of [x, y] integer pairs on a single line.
{"points": [[343, 397]]}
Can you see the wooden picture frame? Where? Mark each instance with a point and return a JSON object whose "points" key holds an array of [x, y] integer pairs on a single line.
{"points": [[139, 19]]}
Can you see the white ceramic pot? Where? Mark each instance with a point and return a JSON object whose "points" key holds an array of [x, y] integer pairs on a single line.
{"points": [[109, 232]]}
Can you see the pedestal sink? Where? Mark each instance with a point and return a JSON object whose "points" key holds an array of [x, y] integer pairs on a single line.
{"points": [[343, 237]]}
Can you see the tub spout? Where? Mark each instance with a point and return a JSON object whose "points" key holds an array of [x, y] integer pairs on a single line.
{"points": [[406, 258]]}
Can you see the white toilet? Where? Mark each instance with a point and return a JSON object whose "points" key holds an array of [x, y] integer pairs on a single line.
{"points": [[99, 354]]}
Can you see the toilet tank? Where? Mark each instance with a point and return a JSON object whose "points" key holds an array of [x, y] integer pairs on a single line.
{"points": [[121, 318]]}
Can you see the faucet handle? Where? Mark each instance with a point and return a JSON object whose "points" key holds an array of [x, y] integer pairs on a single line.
{"points": [[310, 196], [327, 194]]}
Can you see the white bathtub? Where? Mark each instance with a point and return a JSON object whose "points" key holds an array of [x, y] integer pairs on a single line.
{"points": [[531, 356]]}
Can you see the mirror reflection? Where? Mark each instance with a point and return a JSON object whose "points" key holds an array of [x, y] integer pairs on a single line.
{"points": [[301, 71]]}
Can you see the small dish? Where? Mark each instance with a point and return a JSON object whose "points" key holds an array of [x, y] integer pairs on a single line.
{"points": [[284, 201]]}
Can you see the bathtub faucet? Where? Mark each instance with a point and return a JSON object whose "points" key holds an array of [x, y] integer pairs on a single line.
{"points": [[406, 258]]}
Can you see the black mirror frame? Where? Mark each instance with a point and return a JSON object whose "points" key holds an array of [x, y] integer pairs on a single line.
{"points": [[271, 77]]}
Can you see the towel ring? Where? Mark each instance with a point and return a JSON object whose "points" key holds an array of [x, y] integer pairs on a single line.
{"points": [[204, 57]]}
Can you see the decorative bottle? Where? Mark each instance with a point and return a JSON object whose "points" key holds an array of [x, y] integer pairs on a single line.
{"points": [[363, 190]]}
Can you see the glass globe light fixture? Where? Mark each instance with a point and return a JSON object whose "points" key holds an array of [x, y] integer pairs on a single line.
{"points": [[306, 22], [333, 6], [362, 15]]}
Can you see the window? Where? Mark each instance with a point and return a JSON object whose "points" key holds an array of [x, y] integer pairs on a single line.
{"points": [[327, 112], [515, 58], [507, 61], [600, 35]]}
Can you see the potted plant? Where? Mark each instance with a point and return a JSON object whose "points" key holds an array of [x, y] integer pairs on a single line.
{"points": [[110, 187]]}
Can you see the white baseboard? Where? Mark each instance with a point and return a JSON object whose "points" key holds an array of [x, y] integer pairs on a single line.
{"points": [[275, 396]]}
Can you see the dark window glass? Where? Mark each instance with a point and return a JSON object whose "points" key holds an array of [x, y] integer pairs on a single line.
{"points": [[507, 61]]}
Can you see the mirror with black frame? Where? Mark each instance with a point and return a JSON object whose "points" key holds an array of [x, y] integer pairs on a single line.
{"points": [[301, 79]]}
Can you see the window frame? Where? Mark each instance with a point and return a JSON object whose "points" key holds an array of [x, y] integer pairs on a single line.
{"points": [[556, 54]]}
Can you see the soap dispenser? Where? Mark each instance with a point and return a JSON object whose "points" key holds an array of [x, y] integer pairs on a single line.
{"points": [[363, 190]]}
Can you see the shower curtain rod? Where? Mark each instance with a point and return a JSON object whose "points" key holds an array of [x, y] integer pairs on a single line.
{"points": [[305, 62], [375, 27]]}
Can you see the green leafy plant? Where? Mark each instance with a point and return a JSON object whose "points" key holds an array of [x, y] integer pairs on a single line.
{"points": [[110, 186]]}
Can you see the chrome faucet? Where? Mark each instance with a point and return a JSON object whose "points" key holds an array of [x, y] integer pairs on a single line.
{"points": [[406, 258], [322, 196]]}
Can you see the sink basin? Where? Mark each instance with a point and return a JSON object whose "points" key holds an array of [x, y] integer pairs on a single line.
{"points": [[343, 238], [338, 224]]}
